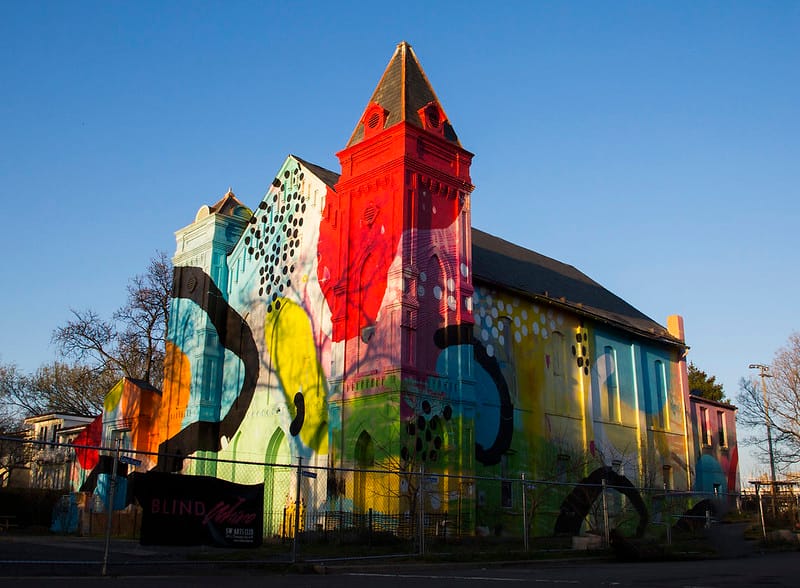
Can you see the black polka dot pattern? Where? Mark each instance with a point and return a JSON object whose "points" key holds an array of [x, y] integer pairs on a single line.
{"points": [[425, 434], [274, 238], [580, 350]]}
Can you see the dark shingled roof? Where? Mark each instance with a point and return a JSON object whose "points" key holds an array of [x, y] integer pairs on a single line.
{"points": [[329, 177], [531, 274], [402, 91], [227, 205]]}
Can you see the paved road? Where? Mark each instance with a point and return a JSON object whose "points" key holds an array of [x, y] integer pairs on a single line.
{"points": [[69, 561], [774, 569]]}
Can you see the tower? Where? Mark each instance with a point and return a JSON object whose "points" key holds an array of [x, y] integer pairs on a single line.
{"points": [[194, 354], [395, 264]]}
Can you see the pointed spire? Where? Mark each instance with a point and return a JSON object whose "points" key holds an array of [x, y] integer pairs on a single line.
{"points": [[402, 93]]}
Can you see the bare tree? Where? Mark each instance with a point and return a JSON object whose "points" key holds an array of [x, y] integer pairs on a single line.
{"points": [[13, 384], [72, 389], [55, 387], [131, 344], [781, 412], [14, 455]]}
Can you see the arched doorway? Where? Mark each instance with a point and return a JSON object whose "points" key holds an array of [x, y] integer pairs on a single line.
{"points": [[277, 482]]}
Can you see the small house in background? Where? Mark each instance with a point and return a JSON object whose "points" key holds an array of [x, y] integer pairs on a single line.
{"points": [[715, 447], [127, 422], [60, 451], [52, 465], [130, 412]]}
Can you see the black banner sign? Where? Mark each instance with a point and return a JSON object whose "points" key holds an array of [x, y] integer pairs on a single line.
{"points": [[199, 510]]}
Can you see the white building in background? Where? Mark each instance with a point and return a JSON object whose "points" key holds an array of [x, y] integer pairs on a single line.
{"points": [[51, 463]]}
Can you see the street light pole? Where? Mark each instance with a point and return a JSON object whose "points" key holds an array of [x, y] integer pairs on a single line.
{"points": [[764, 371]]}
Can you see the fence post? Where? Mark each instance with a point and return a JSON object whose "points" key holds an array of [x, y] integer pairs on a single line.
{"points": [[110, 509], [606, 534], [761, 511], [421, 506], [297, 508], [524, 515], [668, 508], [460, 502]]}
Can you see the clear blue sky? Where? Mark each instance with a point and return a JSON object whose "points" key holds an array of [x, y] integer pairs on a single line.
{"points": [[654, 145]]}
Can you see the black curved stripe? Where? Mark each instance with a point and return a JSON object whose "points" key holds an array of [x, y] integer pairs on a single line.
{"points": [[453, 335], [297, 423], [235, 335], [577, 504], [462, 335], [505, 430]]}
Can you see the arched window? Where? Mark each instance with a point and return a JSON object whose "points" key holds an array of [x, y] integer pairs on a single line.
{"points": [[504, 351], [661, 409], [365, 330], [611, 412], [559, 398], [436, 285]]}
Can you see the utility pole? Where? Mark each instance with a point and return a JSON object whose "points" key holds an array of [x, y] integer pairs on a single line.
{"points": [[764, 371]]}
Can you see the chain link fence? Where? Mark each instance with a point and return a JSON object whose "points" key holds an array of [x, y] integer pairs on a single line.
{"points": [[313, 511]]}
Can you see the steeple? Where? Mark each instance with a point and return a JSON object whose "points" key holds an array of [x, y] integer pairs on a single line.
{"points": [[403, 94], [397, 226], [394, 264]]}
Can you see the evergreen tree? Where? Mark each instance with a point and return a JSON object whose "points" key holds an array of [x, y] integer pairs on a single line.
{"points": [[703, 385]]}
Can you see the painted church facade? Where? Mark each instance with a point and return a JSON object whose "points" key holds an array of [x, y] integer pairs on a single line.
{"points": [[357, 320]]}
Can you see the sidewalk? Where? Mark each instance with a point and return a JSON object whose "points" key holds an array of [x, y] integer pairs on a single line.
{"points": [[728, 540], [47, 555], [60, 555]]}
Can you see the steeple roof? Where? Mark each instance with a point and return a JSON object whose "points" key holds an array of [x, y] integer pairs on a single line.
{"points": [[227, 205], [403, 90]]}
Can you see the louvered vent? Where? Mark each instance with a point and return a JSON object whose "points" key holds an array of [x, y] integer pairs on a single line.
{"points": [[370, 212], [374, 120]]}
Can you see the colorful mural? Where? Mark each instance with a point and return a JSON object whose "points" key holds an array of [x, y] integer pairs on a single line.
{"points": [[130, 412], [344, 321], [130, 415]]}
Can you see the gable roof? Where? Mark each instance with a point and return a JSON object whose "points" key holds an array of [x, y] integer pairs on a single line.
{"points": [[532, 274], [329, 177], [402, 91], [718, 403], [228, 205]]}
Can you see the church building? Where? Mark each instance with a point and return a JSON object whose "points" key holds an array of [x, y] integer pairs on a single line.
{"points": [[356, 320]]}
